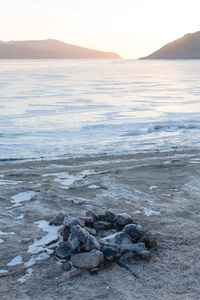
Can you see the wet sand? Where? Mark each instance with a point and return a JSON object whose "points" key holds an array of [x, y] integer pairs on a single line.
{"points": [[161, 190]]}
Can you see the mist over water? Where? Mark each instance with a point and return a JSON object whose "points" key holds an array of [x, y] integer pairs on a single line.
{"points": [[65, 108]]}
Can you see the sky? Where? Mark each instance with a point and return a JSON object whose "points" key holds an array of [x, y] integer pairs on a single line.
{"points": [[132, 28]]}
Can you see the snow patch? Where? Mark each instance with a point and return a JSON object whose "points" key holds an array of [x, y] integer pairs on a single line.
{"points": [[21, 197], [28, 274], [93, 186], [149, 212], [15, 261]]}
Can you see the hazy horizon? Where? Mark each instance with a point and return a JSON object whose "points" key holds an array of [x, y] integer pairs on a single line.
{"points": [[130, 28]]}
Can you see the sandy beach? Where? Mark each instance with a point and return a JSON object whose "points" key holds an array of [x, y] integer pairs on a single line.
{"points": [[160, 190]]}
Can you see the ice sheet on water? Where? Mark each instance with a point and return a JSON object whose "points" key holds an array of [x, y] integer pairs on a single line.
{"points": [[15, 261]]}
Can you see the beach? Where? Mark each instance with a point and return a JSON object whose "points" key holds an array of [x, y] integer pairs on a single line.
{"points": [[159, 189]]}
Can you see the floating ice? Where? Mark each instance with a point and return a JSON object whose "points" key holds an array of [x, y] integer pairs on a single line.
{"points": [[149, 212], [6, 233], [153, 187], [1, 241], [136, 212], [41, 245], [167, 195], [28, 274], [93, 186], [20, 217], [20, 197], [34, 259], [15, 261], [3, 271]]}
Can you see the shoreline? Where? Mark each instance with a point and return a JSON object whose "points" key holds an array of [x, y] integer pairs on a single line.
{"points": [[160, 190]]}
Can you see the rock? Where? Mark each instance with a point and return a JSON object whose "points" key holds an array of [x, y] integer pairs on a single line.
{"points": [[101, 225], [144, 255], [104, 233], [135, 248], [26, 240], [91, 230], [123, 219], [94, 271], [135, 232], [150, 240], [87, 260], [126, 257], [91, 243], [63, 251], [73, 273], [65, 232], [80, 232], [102, 218], [91, 214], [66, 266], [87, 220], [73, 241], [78, 201], [70, 221], [58, 219], [110, 253], [115, 246], [116, 238], [110, 216]]}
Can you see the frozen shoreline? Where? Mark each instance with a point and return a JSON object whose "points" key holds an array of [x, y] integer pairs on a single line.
{"points": [[161, 190]]}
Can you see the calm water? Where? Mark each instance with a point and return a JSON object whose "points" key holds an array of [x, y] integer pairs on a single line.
{"points": [[75, 107]]}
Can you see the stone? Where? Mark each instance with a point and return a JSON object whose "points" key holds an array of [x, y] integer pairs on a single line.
{"points": [[66, 266], [73, 241], [58, 219], [123, 219], [91, 214], [87, 260], [91, 243], [63, 251], [80, 232], [110, 216], [126, 257], [71, 221], [135, 232], [65, 232], [110, 253], [102, 218], [90, 230], [144, 255], [94, 271], [135, 248], [87, 220], [74, 273], [116, 238], [101, 225], [150, 240]]}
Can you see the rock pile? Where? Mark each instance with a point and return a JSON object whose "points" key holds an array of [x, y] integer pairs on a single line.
{"points": [[89, 241]]}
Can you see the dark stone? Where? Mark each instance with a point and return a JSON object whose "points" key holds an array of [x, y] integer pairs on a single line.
{"points": [[91, 231], [65, 232], [116, 238], [87, 260], [92, 215], [80, 232], [150, 240], [91, 243], [100, 225], [135, 248], [135, 232], [58, 219], [123, 219], [110, 216], [102, 218], [73, 241], [87, 220], [111, 254], [63, 251], [94, 271], [66, 266], [71, 221]]}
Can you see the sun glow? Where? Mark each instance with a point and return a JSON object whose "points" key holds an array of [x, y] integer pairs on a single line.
{"points": [[129, 27]]}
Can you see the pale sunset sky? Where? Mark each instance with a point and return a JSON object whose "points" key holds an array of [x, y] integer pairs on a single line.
{"points": [[132, 28]]}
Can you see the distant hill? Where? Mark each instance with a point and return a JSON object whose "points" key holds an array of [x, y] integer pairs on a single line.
{"points": [[187, 47], [49, 49]]}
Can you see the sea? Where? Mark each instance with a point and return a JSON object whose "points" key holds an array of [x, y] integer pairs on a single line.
{"points": [[72, 108]]}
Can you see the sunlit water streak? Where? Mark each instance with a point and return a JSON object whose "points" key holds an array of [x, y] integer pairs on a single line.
{"points": [[81, 107]]}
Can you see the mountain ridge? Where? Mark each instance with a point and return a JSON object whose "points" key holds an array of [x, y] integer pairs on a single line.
{"points": [[186, 47], [50, 49]]}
